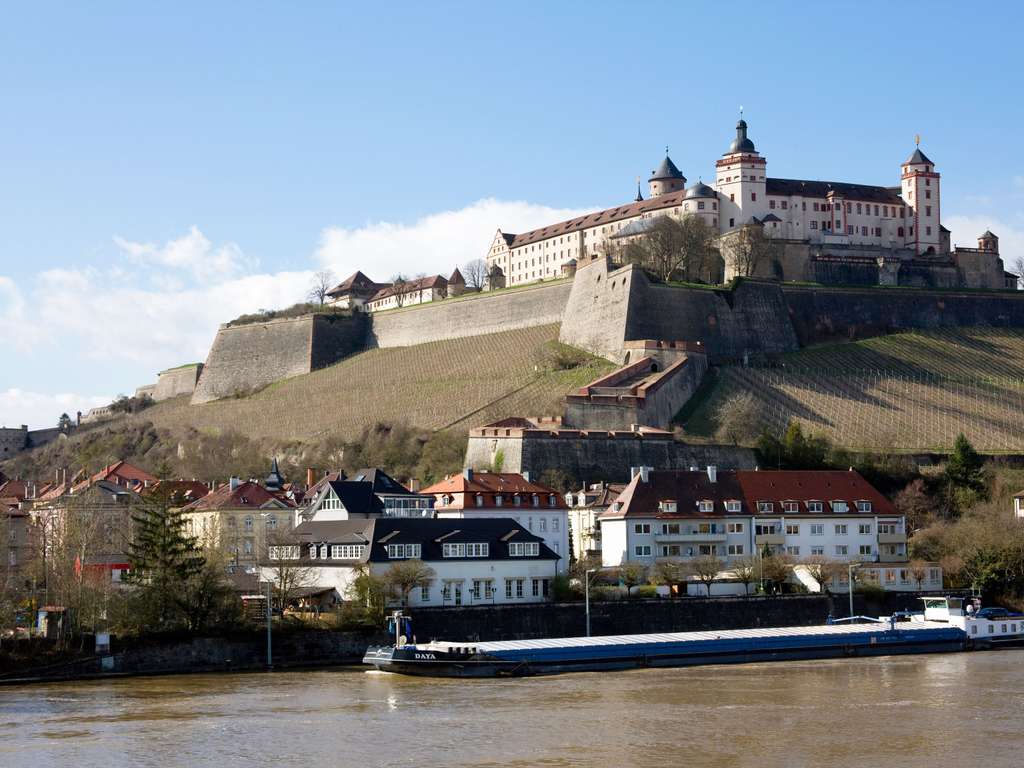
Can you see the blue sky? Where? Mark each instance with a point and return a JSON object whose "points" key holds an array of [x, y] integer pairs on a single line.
{"points": [[162, 170]]}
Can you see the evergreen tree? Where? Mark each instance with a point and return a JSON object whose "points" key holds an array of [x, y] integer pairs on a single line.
{"points": [[965, 467], [165, 560]]}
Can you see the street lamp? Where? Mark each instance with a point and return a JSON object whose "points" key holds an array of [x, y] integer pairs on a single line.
{"points": [[586, 592], [849, 582]]}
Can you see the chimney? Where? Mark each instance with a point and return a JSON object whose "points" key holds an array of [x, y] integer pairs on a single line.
{"points": [[310, 477], [526, 476], [78, 419], [644, 474], [712, 473], [468, 474], [414, 485], [633, 472]]}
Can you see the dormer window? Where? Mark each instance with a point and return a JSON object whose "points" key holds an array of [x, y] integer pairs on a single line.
{"points": [[552, 500], [312, 551], [535, 500], [733, 506], [790, 507], [864, 506], [517, 499], [705, 506], [499, 500], [765, 507], [669, 507], [814, 507], [840, 507], [479, 499]]}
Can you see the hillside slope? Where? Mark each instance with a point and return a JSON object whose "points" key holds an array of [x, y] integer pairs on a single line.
{"points": [[443, 384], [910, 391]]}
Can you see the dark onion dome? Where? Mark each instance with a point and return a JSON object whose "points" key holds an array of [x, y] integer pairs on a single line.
{"points": [[918, 157], [667, 170], [741, 143], [700, 189]]}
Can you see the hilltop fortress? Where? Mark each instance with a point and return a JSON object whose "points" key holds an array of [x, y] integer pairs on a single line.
{"points": [[826, 231]]}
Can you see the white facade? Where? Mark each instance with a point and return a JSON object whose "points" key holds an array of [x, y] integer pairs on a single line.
{"points": [[904, 215]]}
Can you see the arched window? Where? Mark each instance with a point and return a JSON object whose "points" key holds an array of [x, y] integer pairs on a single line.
{"points": [[271, 522], [248, 522]]}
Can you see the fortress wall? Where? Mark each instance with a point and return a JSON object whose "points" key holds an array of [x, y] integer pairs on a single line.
{"points": [[598, 307], [176, 382], [336, 337], [472, 315], [821, 314], [244, 358], [12, 441]]}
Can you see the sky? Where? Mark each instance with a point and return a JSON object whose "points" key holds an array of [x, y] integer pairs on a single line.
{"points": [[165, 169]]}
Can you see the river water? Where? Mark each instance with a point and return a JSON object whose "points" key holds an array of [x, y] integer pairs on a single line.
{"points": [[941, 710]]}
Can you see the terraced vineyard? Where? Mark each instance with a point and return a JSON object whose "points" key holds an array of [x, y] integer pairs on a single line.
{"points": [[460, 383], [909, 391]]}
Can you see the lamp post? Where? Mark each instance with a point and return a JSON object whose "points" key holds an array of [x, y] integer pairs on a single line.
{"points": [[849, 582], [586, 592]]}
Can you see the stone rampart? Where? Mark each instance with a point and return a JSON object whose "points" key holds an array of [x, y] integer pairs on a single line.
{"points": [[470, 315], [13, 440], [176, 382], [593, 455], [246, 358]]}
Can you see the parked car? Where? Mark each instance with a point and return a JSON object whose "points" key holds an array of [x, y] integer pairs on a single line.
{"points": [[993, 614]]}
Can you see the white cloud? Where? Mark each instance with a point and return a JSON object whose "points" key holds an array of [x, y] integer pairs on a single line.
{"points": [[39, 410], [192, 253], [436, 243], [964, 231]]}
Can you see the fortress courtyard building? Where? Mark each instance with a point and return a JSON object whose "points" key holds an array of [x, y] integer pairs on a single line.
{"points": [[821, 231]]}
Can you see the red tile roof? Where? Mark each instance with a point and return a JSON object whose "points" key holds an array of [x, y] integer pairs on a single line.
{"points": [[246, 495], [419, 284], [121, 473], [489, 485]]}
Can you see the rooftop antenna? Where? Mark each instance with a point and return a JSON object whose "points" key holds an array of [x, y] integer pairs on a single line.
{"points": [[741, 111], [666, 150]]}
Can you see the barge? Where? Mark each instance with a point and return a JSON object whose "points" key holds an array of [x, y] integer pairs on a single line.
{"points": [[941, 628]]}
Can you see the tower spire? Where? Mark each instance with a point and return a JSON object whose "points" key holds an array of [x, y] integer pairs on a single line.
{"points": [[639, 197]]}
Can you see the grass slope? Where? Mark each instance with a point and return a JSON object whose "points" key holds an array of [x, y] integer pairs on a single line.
{"points": [[459, 383], [910, 391]]}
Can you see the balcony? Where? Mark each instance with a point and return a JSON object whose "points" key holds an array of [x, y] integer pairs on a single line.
{"points": [[892, 557], [892, 538], [770, 539], [718, 537]]}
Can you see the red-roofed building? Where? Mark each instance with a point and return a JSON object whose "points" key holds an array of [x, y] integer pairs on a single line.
{"points": [[242, 516], [834, 515], [406, 293], [540, 509], [119, 473]]}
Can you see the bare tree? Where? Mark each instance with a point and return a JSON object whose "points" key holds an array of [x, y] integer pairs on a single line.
{"points": [[475, 273], [706, 568], [822, 570], [750, 249], [322, 283], [401, 288], [287, 570], [776, 569], [745, 570], [632, 574], [668, 573], [739, 419], [918, 572], [406, 575], [1018, 266], [670, 248]]}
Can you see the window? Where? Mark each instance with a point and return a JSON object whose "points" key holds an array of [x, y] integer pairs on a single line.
{"points": [[554, 525], [346, 551], [935, 575], [499, 500], [735, 549], [284, 553], [771, 204], [814, 506], [784, 204], [271, 523], [641, 528], [403, 551], [642, 550], [888, 528], [519, 587], [753, 195], [865, 549], [552, 500], [706, 506], [858, 207], [700, 206], [312, 551], [814, 225], [536, 588], [479, 500], [667, 506], [543, 525], [535, 500], [248, 522], [841, 530], [795, 551], [818, 550], [670, 528], [247, 546], [864, 529], [790, 507], [523, 549], [765, 506], [508, 589], [765, 529], [424, 593], [842, 549], [792, 529], [927, 210], [815, 206], [733, 506], [840, 507], [735, 527]]}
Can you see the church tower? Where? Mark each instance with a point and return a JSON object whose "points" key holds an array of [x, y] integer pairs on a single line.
{"points": [[919, 186], [740, 181]]}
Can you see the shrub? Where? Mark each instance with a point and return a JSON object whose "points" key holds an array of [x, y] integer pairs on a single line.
{"points": [[646, 591], [556, 356]]}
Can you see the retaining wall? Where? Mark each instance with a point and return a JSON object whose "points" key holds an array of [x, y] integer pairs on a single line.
{"points": [[472, 315]]}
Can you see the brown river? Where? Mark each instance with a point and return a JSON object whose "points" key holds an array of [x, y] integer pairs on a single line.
{"points": [[944, 710]]}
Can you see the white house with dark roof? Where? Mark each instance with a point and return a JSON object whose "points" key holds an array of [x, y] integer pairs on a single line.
{"points": [[475, 561], [852, 223]]}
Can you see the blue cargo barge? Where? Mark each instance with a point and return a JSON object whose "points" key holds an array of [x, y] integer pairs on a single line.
{"points": [[573, 654]]}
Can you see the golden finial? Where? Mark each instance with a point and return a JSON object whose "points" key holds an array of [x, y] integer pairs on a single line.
{"points": [[917, 139]]}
